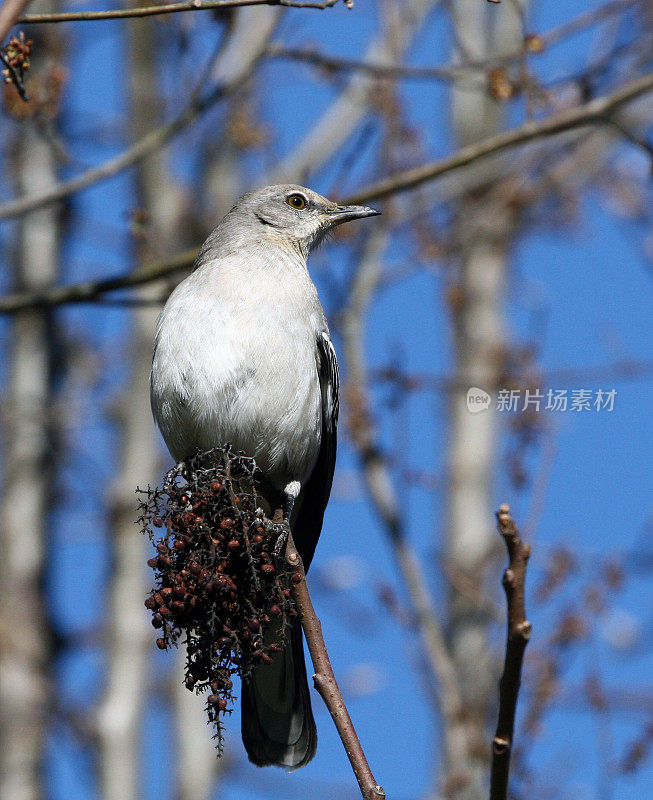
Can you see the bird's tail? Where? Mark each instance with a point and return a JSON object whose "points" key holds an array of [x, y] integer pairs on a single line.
{"points": [[276, 717]]}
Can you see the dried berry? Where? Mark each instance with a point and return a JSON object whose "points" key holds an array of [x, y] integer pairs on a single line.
{"points": [[216, 586]]}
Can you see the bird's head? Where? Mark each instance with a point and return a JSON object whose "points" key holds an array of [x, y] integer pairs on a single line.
{"points": [[294, 214]]}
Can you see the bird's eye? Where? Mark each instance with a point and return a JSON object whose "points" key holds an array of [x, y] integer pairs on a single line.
{"points": [[297, 201]]}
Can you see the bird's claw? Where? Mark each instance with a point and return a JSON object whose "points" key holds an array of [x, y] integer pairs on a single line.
{"points": [[279, 550]]}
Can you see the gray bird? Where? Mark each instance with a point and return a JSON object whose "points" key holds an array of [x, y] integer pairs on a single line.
{"points": [[243, 356]]}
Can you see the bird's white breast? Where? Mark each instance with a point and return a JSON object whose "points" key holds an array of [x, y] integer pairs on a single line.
{"points": [[235, 362]]}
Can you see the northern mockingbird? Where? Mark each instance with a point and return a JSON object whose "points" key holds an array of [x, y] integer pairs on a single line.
{"points": [[243, 356]]}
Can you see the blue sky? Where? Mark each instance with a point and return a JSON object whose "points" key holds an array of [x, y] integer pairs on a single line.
{"points": [[591, 282]]}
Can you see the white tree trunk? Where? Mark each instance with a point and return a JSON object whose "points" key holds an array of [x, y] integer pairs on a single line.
{"points": [[23, 512], [482, 236], [129, 636]]}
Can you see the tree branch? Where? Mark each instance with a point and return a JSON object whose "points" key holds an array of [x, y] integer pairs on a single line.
{"points": [[325, 681], [596, 111], [336, 64], [9, 12], [151, 142], [519, 631], [451, 72], [169, 8], [88, 291], [14, 77]]}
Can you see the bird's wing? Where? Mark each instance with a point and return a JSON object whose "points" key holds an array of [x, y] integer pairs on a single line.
{"points": [[315, 492]]}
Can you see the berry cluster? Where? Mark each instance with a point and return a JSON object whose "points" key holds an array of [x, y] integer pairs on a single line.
{"points": [[218, 585], [15, 56]]}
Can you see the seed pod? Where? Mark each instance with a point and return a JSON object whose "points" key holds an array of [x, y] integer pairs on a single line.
{"points": [[161, 644]]}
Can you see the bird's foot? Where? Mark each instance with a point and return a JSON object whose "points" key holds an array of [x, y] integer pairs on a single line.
{"points": [[279, 551]]}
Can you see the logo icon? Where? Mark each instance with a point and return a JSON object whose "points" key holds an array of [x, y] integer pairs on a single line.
{"points": [[477, 400]]}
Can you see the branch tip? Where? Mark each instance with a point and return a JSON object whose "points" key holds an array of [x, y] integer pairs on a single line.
{"points": [[519, 632]]}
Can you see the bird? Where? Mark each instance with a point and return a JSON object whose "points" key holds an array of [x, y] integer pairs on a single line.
{"points": [[243, 355]]}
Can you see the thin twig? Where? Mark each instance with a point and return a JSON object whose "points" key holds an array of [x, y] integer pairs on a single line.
{"points": [[519, 632], [589, 113], [132, 155], [625, 369], [450, 72], [89, 291], [325, 681], [168, 8], [148, 144], [14, 77], [336, 64]]}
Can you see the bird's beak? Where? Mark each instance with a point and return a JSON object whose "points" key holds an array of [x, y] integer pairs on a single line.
{"points": [[346, 213]]}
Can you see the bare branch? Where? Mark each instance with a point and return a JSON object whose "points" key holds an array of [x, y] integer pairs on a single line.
{"points": [[325, 681], [169, 8], [132, 155], [351, 106], [625, 370], [519, 631], [534, 43], [586, 20], [594, 112], [9, 13], [335, 64], [151, 142], [88, 291], [14, 76]]}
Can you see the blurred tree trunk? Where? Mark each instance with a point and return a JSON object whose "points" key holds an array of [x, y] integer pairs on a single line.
{"points": [[129, 636], [482, 235], [24, 635]]}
